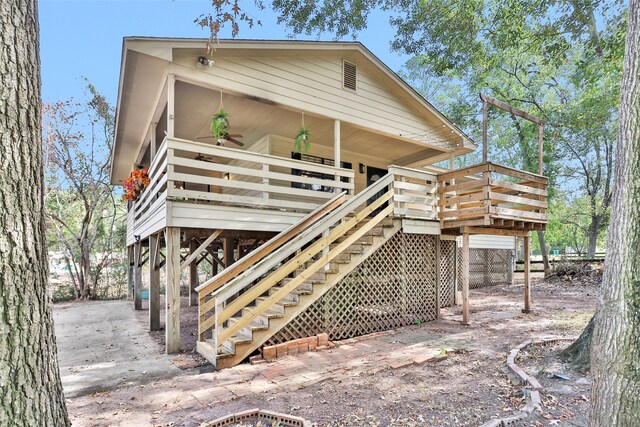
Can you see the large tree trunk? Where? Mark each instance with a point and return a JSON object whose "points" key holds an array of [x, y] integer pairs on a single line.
{"points": [[578, 354], [615, 352], [30, 389]]}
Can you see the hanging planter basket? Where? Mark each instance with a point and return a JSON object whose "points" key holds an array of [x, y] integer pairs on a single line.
{"points": [[135, 184], [302, 141], [220, 125]]}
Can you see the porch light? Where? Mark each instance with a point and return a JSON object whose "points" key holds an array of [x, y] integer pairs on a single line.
{"points": [[204, 62], [361, 168]]}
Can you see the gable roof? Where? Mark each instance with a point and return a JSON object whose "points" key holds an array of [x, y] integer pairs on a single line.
{"points": [[156, 53]]}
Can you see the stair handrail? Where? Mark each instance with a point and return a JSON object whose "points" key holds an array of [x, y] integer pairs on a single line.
{"points": [[293, 245], [225, 313], [272, 244]]}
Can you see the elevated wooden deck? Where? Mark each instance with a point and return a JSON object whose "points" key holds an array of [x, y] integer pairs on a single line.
{"points": [[492, 199]]}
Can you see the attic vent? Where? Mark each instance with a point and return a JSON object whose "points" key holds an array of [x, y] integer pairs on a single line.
{"points": [[349, 75]]}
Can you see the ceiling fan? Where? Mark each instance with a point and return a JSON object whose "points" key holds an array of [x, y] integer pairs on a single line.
{"points": [[230, 137]]}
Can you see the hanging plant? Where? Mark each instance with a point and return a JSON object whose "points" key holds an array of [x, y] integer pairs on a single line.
{"points": [[135, 184], [302, 139], [220, 125]]}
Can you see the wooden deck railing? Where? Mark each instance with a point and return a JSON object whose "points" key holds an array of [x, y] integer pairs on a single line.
{"points": [[415, 193], [203, 172], [492, 195]]}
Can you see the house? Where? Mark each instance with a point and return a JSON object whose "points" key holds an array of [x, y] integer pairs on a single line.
{"points": [[355, 234]]}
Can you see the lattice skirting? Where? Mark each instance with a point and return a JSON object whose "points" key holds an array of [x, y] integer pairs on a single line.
{"points": [[394, 287], [447, 272], [487, 267]]}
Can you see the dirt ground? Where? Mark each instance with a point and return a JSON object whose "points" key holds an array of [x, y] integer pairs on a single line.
{"points": [[370, 382]]}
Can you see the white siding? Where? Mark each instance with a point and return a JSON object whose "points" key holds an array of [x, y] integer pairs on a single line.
{"points": [[314, 84], [482, 241]]}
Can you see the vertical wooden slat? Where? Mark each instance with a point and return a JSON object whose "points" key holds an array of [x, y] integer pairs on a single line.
{"points": [[172, 323], [527, 275], [154, 283], [465, 278], [485, 116], [171, 85], [137, 275], [193, 274], [540, 149]]}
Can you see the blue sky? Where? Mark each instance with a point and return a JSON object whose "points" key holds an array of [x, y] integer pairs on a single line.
{"points": [[83, 38]]}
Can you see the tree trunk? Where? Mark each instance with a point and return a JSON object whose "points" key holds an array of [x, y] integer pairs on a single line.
{"points": [[594, 229], [30, 388], [579, 352], [545, 253], [615, 353]]}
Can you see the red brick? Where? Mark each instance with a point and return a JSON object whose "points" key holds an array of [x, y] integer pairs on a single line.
{"points": [[255, 358], [323, 339], [269, 352], [303, 345], [281, 349], [292, 347], [313, 342]]}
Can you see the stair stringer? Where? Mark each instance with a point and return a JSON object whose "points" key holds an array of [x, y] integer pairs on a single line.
{"points": [[260, 337]]}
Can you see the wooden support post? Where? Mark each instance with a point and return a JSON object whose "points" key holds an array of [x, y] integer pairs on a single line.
{"points": [[154, 282], [228, 251], [527, 275], [137, 276], [485, 117], [171, 86], [438, 278], [172, 322], [540, 149], [465, 279], [193, 275], [153, 143], [130, 273], [336, 146]]}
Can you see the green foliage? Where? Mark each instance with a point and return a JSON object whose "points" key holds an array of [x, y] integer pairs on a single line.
{"points": [[220, 124], [302, 141]]}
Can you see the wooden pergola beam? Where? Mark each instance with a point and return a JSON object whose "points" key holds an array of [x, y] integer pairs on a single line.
{"points": [[486, 99]]}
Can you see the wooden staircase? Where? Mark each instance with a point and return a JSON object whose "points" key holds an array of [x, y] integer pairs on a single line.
{"points": [[249, 302], [250, 337]]}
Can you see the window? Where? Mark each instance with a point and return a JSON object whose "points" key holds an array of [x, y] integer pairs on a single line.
{"points": [[349, 75], [320, 161]]}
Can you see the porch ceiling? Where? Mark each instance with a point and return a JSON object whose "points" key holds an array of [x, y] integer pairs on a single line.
{"points": [[254, 119]]}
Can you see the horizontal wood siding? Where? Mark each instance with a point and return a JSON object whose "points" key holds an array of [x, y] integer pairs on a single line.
{"points": [[229, 217], [316, 84], [482, 241]]}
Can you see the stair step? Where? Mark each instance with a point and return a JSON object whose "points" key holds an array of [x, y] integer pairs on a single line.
{"points": [[367, 239], [353, 249], [343, 258], [317, 277], [282, 303], [270, 313], [306, 286], [254, 325]]}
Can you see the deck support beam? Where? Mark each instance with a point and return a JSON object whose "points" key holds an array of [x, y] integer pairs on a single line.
{"points": [[465, 279], [193, 273], [228, 249], [438, 278], [130, 273], [137, 275], [172, 322], [527, 275], [154, 282]]}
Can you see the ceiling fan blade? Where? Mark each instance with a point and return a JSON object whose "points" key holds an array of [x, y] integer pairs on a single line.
{"points": [[235, 135], [235, 141]]}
